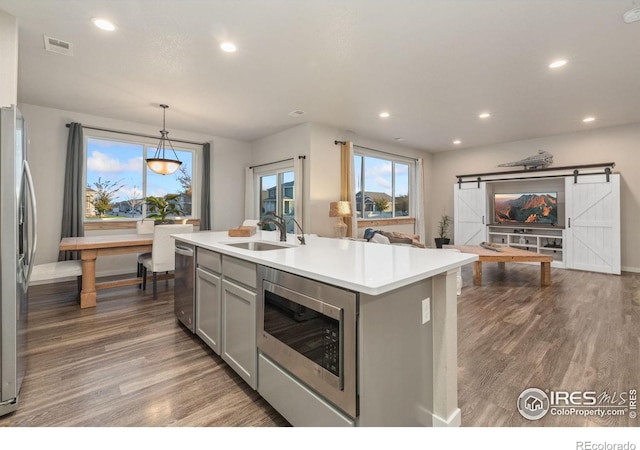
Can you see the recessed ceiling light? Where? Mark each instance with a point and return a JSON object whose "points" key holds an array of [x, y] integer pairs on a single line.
{"points": [[296, 113], [457, 142], [399, 138], [484, 115], [384, 115], [558, 63], [104, 24], [228, 47], [588, 119]]}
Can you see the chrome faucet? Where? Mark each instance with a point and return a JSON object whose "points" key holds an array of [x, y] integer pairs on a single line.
{"points": [[279, 223], [301, 237]]}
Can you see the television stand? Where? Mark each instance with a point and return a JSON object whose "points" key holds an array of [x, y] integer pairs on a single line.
{"points": [[539, 238]]}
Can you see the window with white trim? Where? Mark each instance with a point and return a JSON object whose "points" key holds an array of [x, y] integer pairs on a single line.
{"points": [[117, 179], [384, 185], [275, 187]]}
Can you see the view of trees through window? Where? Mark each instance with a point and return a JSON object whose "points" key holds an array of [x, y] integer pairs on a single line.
{"points": [[118, 180], [276, 196], [382, 187]]}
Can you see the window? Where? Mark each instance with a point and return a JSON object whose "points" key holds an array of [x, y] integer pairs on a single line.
{"points": [[118, 179], [275, 185], [383, 186]]}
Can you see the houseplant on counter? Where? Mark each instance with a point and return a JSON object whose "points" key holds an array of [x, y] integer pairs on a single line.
{"points": [[443, 231], [160, 207]]}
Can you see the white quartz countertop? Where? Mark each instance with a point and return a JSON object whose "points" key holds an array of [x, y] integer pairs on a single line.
{"points": [[360, 266]]}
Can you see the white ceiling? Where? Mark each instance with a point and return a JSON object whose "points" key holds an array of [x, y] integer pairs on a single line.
{"points": [[433, 64]]}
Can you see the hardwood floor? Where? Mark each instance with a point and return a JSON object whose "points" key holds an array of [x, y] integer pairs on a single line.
{"points": [[128, 363], [581, 333]]}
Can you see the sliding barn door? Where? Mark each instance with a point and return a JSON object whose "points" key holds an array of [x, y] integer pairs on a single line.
{"points": [[593, 223], [469, 205]]}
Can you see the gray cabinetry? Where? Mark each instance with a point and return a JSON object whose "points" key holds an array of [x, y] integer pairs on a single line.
{"points": [[208, 308], [226, 310], [208, 269], [239, 318], [295, 401]]}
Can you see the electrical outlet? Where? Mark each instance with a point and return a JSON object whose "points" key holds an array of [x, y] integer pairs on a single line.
{"points": [[426, 310]]}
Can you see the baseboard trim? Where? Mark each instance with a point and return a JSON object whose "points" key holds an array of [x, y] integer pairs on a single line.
{"points": [[454, 420], [105, 273], [631, 269]]}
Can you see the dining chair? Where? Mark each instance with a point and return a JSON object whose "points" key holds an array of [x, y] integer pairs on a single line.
{"points": [[162, 256], [144, 226]]}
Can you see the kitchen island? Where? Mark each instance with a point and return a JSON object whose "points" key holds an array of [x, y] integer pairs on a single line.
{"points": [[395, 365]]}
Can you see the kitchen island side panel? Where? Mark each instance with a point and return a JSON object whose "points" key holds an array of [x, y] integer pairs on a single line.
{"points": [[395, 355]]}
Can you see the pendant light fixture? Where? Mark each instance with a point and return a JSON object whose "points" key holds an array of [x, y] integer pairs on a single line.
{"points": [[160, 164]]}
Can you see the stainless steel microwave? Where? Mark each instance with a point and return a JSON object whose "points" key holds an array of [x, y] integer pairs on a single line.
{"points": [[309, 328]]}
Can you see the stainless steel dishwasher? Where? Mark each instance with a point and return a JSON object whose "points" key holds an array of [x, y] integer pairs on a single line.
{"points": [[184, 285]]}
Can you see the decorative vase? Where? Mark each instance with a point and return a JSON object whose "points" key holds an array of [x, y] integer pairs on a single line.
{"points": [[340, 229]]}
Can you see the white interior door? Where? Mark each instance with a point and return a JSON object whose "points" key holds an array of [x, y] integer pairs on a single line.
{"points": [[470, 206], [593, 223]]}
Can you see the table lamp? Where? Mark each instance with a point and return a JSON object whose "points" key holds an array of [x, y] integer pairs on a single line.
{"points": [[339, 210]]}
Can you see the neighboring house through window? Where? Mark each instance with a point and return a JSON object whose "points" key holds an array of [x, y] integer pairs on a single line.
{"points": [[118, 179], [383, 184], [275, 185]]}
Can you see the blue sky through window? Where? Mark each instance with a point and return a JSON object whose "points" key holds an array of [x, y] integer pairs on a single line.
{"points": [[122, 162], [377, 175]]}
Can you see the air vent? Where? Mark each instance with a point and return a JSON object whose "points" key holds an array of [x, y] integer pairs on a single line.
{"points": [[58, 46], [296, 113]]}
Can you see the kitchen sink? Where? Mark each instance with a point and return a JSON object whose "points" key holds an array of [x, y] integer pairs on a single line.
{"points": [[259, 246]]}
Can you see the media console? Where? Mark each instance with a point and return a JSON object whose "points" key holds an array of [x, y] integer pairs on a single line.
{"points": [[588, 214], [546, 240]]}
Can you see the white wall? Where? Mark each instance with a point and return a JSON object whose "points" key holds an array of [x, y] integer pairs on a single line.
{"points": [[289, 143], [616, 144], [322, 166], [9, 59], [325, 173], [325, 176], [47, 152], [229, 158]]}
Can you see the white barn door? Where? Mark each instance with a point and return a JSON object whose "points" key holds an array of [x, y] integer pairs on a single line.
{"points": [[593, 223], [469, 206]]}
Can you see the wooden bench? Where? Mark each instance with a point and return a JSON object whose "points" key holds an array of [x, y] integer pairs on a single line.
{"points": [[57, 270], [507, 254]]}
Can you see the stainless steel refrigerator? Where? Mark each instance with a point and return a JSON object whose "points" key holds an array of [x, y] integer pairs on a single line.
{"points": [[17, 251]]}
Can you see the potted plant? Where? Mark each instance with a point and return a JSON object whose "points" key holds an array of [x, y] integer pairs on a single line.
{"points": [[443, 231], [160, 207]]}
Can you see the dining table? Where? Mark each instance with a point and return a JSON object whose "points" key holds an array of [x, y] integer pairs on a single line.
{"points": [[90, 247]]}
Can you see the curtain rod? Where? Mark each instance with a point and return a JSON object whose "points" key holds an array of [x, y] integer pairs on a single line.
{"points": [[276, 162], [137, 134], [376, 150]]}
